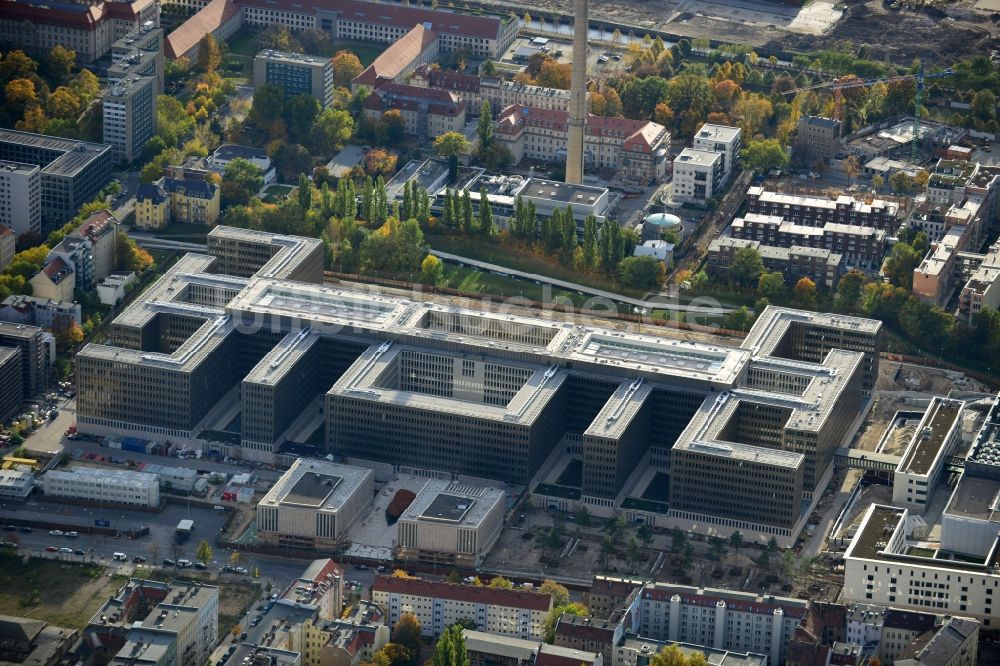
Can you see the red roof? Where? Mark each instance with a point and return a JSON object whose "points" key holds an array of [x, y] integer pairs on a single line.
{"points": [[85, 18], [5, 230], [411, 98], [394, 60], [551, 655], [535, 601], [440, 21], [448, 79], [209, 18], [97, 224], [637, 134], [57, 270], [764, 607]]}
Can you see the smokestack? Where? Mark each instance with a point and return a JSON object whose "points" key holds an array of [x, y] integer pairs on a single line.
{"points": [[577, 96]]}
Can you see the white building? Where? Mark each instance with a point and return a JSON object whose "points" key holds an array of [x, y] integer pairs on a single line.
{"points": [[439, 604], [313, 504], [108, 486], [451, 523], [258, 157], [721, 139], [15, 484], [111, 289], [20, 197], [934, 441], [698, 175], [659, 249], [882, 568]]}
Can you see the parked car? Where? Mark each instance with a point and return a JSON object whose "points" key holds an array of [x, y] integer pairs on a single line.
{"points": [[201, 566], [55, 533], [10, 528], [138, 559], [26, 530], [78, 551], [66, 551], [167, 562], [72, 535], [51, 549]]}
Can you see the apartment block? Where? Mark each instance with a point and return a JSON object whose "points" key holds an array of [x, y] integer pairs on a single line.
{"points": [[438, 605], [313, 504], [426, 112], [129, 107], [55, 282], [861, 246], [698, 175], [108, 486], [818, 264], [486, 649], [347, 641], [72, 172], [41, 312], [11, 388], [723, 139], [451, 523], [817, 138], [817, 210], [319, 589], [34, 361], [637, 149], [295, 74], [20, 198], [499, 92]]}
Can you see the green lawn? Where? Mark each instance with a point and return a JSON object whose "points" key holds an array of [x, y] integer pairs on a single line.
{"points": [[366, 52], [186, 233], [244, 42], [275, 193], [471, 280]]}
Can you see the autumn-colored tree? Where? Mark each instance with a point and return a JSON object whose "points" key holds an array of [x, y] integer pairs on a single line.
{"points": [[346, 66], [752, 111], [60, 62], [64, 103], [34, 121], [407, 634], [663, 114], [559, 593], [501, 583], [15, 65], [209, 55], [86, 85], [18, 94], [805, 293], [451, 144], [554, 74], [726, 92], [69, 337], [380, 161]]}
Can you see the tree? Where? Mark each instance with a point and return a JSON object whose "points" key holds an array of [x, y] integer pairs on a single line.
{"points": [[431, 270], [16, 64], [582, 516], [209, 55], [380, 161], [717, 547], [771, 286], [763, 155], [451, 144], [64, 103], [331, 130], [268, 105], [407, 634], [753, 111], [677, 540], [242, 176], [204, 552], [549, 626], [554, 74], [485, 128], [984, 105], [736, 541], [849, 290], [746, 267], [671, 655], [687, 557], [559, 593], [60, 62], [805, 294], [645, 534], [346, 66], [69, 337], [640, 97], [392, 127], [851, 168], [19, 93], [898, 267], [641, 272], [304, 192]]}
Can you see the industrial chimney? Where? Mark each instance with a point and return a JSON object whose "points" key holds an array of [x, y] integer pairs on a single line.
{"points": [[578, 96]]}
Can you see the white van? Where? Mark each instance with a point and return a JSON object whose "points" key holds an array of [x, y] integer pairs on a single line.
{"points": [[184, 564], [121, 557]]}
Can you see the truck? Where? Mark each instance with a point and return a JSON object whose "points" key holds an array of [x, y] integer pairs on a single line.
{"points": [[184, 529]]}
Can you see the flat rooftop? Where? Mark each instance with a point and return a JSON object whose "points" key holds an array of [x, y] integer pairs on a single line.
{"points": [[537, 188], [292, 58], [697, 157], [723, 133], [875, 532], [317, 485], [930, 436], [312, 489], [447, 502], [17, 167], [977, 498], [74, 155]]}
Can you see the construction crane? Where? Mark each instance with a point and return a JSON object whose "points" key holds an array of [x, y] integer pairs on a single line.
{"points": [[840, 84]]}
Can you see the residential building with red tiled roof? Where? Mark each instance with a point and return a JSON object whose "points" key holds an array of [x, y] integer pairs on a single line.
{"points": [[90, 30], [417, 47], [637, 149], [439, 604], [56, 281], [427, 112], [220, 18], [499, 92]]}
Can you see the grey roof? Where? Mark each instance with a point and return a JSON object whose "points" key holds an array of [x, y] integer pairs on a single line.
{"points": [[231, 151], [75, 155]]}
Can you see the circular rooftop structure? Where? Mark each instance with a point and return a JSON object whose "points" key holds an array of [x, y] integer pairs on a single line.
{"points": [[664, 220]]}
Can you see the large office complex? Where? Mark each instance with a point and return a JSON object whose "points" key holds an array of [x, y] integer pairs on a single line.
{"points": [[295, 74], [439, 604], [21, 197], [313, 504], [72, 172], [438, 387], [34, 354], [129, 108]]}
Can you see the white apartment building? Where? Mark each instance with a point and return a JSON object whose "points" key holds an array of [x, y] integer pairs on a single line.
{"points": [[439, 604], [735, 621], [313, 503], [21, 197], [698, 175], [451, 523], [108, 486], [721, 139], [934, 441], [881, 569]]}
